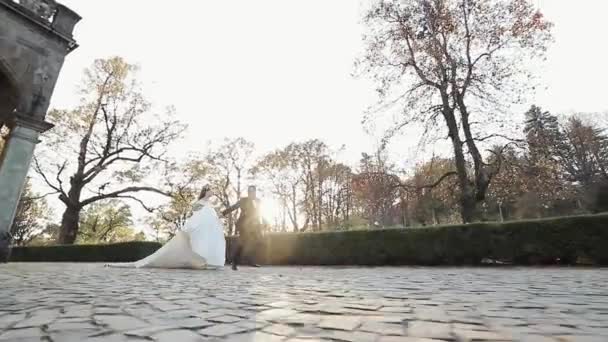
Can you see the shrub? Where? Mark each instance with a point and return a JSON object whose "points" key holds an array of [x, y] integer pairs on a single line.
{"points": [[600, 203], [530, 242], [117, 252]]}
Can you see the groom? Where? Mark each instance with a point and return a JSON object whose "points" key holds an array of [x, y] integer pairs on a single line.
{"points": [[248, 225]]}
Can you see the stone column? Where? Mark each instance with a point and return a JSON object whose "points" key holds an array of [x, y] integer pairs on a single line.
{"points": [[14, 166]]}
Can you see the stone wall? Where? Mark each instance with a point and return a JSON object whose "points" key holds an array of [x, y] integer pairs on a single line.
{"points": [[31, 56], [35, 37]]}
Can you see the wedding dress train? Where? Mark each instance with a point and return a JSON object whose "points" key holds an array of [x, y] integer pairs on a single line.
{"points": [[200, 245]]}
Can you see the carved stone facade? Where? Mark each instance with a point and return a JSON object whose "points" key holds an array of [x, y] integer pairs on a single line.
{"points": [[42, 8], [35, 37]]}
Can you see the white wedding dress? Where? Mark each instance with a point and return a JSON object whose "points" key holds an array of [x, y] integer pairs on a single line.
{"points": [[199, 245]]}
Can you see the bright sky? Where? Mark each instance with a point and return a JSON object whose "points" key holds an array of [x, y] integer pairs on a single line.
{"points": [[274, 71]]}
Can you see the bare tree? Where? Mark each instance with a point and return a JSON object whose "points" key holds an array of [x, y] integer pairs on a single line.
{"points": [[31, 213], [228, 167], [449, 61], [585, 156], [106, 222], [105, 147], [376, 186], [282, 170]]}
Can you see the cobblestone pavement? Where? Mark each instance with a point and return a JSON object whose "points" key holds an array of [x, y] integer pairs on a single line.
{"points": [[87, 302]]}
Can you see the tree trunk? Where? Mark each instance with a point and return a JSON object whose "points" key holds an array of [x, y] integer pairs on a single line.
{"points": [[482, 175], [500, 213], [230, 224], [69, 226], [320, 200], [294, 209], [467, 195], [405, 211], [468, 205], [284, 217]]}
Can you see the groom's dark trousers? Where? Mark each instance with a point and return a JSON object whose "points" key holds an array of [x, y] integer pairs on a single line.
{"points": [[246, 240]]}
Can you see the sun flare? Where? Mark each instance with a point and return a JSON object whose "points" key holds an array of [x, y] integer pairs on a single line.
{"points": [[270, 209]]}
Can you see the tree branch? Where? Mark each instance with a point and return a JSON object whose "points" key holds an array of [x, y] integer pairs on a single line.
{"points": [[148, 209], [413, 63], [87, 137], [57, 188], [495, 135], [119, 193], [34, 198]]}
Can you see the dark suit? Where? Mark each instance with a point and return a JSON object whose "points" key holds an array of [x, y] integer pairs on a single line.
{"points": [[247, 226]]}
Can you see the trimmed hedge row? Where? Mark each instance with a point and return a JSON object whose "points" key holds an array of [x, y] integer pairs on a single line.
{"points": [[567, 240], [117, 252], [549, 241]]}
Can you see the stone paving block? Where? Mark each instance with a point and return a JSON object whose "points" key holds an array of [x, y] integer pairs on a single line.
{"points": [[72, 326], [221, 330], [390, 319], [110, 338], [348, 336], [70, 336], [474, 335], [207, 315], [429, 330], [280, 304], [507, 322], [555, 329], [255, 337], [148, 332], [537, 338], [242, 313], [83, 312], [72, 320], [581, 338], [311, 332], [300, 319], [107, 311], [272, 314], [178, 314], [225, 319], [466, 318], [465, 326], [120, 322], [193, 323], [331, 309], [181, 335], [348, 323], [384, 328], [39, 318], [10, 319], [166, 306], [365, 307], [396, 309], [252, 325], [279, 329], [406, 339], [14, 334], [432, 315]]}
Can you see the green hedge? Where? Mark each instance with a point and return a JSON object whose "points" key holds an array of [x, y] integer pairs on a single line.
{"points": [[533, 242], [530, 242], [117, 252]]}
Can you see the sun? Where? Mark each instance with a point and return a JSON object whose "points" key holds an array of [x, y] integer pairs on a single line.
{"points": [[270, 209]]}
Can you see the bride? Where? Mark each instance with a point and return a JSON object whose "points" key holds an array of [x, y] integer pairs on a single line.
{"points": [[199, 245]]}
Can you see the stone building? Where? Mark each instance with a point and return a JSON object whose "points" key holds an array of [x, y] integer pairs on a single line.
{"points": [[35, 37]]}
